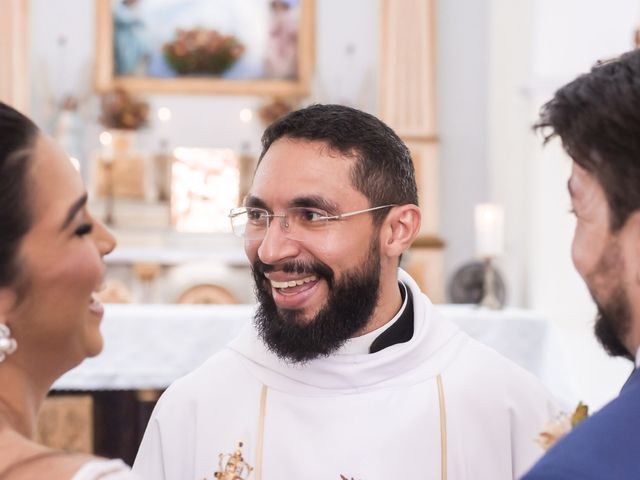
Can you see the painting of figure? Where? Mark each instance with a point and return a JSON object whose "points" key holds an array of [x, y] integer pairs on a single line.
{"points": [[262, 47]]}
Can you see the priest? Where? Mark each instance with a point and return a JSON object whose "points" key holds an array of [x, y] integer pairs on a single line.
{"points": [[347, 371]]}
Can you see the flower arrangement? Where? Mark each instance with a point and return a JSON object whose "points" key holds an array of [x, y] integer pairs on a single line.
{"points": [[557, 428], [122, 111], [202, 51]]}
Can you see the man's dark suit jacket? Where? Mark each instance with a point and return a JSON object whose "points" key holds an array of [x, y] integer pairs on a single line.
{"points": [[606, 446]]}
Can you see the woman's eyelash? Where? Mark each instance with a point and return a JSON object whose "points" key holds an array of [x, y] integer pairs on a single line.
{"points": [[84, 229]]}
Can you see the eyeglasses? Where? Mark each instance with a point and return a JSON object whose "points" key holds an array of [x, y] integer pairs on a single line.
{"points": [[298, 223]]}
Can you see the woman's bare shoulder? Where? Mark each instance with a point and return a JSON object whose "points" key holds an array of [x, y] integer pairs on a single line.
{"points": [[24, 459], [42, 463], [103, 469], [57, 465]]}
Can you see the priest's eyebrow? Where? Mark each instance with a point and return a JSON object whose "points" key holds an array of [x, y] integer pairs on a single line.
{"points": [[73, 210], [315, 201], [310, 201], [254, 202]]}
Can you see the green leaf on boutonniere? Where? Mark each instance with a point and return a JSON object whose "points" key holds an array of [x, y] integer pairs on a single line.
{"points": [[580, 414]]}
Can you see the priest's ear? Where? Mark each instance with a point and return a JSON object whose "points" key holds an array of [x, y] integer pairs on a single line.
{"points": [[399, 229]]}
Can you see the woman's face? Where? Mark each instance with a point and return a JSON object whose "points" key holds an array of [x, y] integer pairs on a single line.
{"points": [[56, 323]]}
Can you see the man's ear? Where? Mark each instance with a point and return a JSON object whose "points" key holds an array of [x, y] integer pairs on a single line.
{"points": [[399, 229]]}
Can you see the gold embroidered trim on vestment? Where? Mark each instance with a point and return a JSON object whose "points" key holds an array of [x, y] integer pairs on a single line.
{"points": [[443, 429], [260, 439]]}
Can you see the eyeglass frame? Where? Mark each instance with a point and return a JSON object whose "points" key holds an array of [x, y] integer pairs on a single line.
{"points": [[341, 216]]}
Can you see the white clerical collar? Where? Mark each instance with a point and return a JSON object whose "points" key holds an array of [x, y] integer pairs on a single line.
{"points": [[361, 345]]}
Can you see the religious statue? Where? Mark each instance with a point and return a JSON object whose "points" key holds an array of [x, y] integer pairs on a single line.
{"points": [[130, 42], [234, 468]]}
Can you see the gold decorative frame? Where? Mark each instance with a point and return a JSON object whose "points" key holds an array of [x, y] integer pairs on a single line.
{"points": [[106, 80]]}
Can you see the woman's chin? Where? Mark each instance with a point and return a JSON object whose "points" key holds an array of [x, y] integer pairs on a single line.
{"points": [[95, 347]]}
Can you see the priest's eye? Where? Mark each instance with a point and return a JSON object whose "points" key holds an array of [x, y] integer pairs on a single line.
{"points": [[307, 215], [84, 229]]}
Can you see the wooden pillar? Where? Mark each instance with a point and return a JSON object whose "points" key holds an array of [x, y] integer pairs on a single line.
{"points": [[407, 102], [14, 54]]}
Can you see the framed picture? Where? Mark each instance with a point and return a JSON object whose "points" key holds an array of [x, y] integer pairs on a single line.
{"points": [[250, 47]]}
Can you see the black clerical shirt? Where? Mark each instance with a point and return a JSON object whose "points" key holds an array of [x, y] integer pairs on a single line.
{"points": [[402, 329]]}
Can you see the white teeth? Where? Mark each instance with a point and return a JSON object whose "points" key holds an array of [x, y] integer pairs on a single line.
{"points": [[293, 283]]}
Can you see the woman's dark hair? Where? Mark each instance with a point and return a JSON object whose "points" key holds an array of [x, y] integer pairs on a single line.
{"points": [[17, 139], [383, 170]]}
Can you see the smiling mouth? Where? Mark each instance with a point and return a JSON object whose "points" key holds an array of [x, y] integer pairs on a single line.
{"points": [[95, 305], [292, 283], [293, 293]]}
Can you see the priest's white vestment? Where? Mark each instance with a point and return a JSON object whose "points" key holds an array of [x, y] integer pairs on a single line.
{"points": [[440, 406]]}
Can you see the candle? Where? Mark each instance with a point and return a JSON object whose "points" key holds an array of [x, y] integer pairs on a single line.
{"points": [[246, 114], [164, 115], [106, 140], [489, 222]]}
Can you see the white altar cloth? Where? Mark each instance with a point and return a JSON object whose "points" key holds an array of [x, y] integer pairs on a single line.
{"points": [[149, 346]]}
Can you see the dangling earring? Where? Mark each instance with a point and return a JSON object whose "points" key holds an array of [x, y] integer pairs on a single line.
{"points": [[8, 344]]}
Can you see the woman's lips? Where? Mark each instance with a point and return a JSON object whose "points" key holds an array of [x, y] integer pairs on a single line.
{"points": [[96, 307]]}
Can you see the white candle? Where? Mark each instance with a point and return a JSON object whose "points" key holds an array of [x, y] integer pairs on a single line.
{"points": [[106, 140], [489, 221], [246, 114], [164, 116]]}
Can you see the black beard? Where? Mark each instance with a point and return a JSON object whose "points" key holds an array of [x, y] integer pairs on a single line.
{"points": [[613, 323], [613, 320], [348, 309]]}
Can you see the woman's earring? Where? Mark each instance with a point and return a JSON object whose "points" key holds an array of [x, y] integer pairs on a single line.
{"points": [[8, 344]]}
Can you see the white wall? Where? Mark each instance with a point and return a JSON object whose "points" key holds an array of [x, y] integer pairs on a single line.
{"points": [[509, 131], [462, 85]]}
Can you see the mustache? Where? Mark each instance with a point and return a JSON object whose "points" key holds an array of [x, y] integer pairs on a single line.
{"points": [[318, 268]]}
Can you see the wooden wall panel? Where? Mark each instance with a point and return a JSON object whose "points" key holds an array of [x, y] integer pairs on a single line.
{"points": [[14, 54], [407, 68]]}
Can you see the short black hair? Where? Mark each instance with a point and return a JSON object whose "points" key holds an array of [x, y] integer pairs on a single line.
{"points": [[383, 170], [597, 117], [17, 139]]}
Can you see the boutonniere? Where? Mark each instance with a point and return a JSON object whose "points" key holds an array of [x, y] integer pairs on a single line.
{"points": [[558, 427]]}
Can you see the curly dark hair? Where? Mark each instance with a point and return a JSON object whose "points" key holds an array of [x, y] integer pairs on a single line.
{"points": [[383, 170], [17, 139], [597, 117]]}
